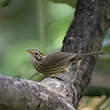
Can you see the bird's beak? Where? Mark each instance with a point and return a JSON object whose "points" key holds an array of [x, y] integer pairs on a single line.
{"points": [[29, 51]]}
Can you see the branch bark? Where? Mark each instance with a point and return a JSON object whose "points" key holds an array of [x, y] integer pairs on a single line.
{"points": [[85, 34], [50, 94]]}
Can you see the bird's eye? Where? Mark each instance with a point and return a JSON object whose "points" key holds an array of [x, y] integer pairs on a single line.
{"points": [[36, 53]]}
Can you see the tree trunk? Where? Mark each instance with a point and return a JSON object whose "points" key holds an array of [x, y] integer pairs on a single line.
{"points": [[86, 33]]}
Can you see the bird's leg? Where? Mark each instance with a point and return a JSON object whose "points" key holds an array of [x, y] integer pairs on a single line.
{"points": [[33, 76]]}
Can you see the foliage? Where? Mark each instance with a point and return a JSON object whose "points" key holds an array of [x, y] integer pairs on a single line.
{"points": [[69, 2], [4, 3]]}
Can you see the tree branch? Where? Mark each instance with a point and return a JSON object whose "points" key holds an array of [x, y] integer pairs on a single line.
{"points": [[16, 94]]}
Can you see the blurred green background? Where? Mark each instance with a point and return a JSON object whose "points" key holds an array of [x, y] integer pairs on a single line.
{"points": [[41, 25]]}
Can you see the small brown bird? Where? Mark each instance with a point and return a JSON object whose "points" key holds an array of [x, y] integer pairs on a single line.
{"points": [[55, 63]]}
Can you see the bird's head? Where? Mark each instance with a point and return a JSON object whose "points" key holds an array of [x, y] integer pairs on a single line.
{"points": [[35, 54]]}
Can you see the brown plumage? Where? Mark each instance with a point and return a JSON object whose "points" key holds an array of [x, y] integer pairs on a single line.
{"points": [[55, 63]]}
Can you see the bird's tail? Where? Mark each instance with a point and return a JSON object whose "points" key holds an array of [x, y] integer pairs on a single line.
{"points": [[80, 56]]}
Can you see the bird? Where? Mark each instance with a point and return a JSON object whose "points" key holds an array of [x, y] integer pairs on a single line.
{"points": [[56, 63]]}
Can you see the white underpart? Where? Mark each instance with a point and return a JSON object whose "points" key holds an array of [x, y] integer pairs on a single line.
{"points": [[32, 57]]}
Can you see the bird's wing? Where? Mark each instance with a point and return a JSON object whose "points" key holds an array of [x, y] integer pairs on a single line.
{"points": [[57, 59]]}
